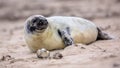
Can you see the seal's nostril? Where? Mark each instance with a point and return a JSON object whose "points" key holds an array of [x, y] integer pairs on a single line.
{"points": [[38, 24], [41, 23]]}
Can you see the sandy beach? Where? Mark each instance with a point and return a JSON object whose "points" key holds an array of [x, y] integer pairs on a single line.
{"points": [[14, 52]]}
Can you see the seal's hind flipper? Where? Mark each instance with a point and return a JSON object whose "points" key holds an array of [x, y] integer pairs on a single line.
{"points": [[102, 35]]}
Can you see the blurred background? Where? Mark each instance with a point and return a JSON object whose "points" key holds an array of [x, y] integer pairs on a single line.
{"points": [[101, 54], [21, 9]]}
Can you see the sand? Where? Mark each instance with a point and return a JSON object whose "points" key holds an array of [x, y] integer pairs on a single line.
{"points": [[14, 52]]}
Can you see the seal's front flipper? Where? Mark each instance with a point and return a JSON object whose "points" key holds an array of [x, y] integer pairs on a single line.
{"points": [[102, 35], [65, 35]]}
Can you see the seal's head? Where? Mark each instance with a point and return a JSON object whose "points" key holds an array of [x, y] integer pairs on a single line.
{"points": [[36, 23]]}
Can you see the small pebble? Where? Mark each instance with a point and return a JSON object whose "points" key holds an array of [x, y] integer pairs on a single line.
{"points": [[82, 47], [57, 55], [6, 57]]}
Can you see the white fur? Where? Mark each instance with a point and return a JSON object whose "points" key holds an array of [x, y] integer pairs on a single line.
{"points": [[82, 31]]}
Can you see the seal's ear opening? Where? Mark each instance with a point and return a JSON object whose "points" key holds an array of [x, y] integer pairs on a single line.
{"points": [[102, 35]]}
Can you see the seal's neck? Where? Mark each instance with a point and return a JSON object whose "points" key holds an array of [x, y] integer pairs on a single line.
{"points": [[44, 35]]}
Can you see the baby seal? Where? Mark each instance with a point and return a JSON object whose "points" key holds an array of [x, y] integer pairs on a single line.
{"points": [[59, 31]]}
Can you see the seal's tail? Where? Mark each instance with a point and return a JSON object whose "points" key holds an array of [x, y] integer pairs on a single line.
{"points": [[102, 35]]}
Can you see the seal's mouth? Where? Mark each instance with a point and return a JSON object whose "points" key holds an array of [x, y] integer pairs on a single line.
{"points": [[37, 28], [39, 23], [41, 27]]}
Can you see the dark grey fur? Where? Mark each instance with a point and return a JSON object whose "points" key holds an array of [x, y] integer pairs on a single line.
{"points": [[65, 35], [37, 23]]}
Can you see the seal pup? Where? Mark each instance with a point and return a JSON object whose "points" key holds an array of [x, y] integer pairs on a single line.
{"points": [[57, 32]]}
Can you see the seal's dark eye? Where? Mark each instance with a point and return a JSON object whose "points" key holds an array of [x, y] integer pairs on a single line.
{"points": [[34, 20]]}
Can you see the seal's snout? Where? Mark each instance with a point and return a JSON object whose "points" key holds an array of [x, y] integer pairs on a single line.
{"points": [[37, 23]]}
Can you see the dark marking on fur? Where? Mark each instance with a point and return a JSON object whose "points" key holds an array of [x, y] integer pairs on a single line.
{"points": [[59, 32], [37, 23], [68, 41], [65, 35], [29, 28], [68, 30]]}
